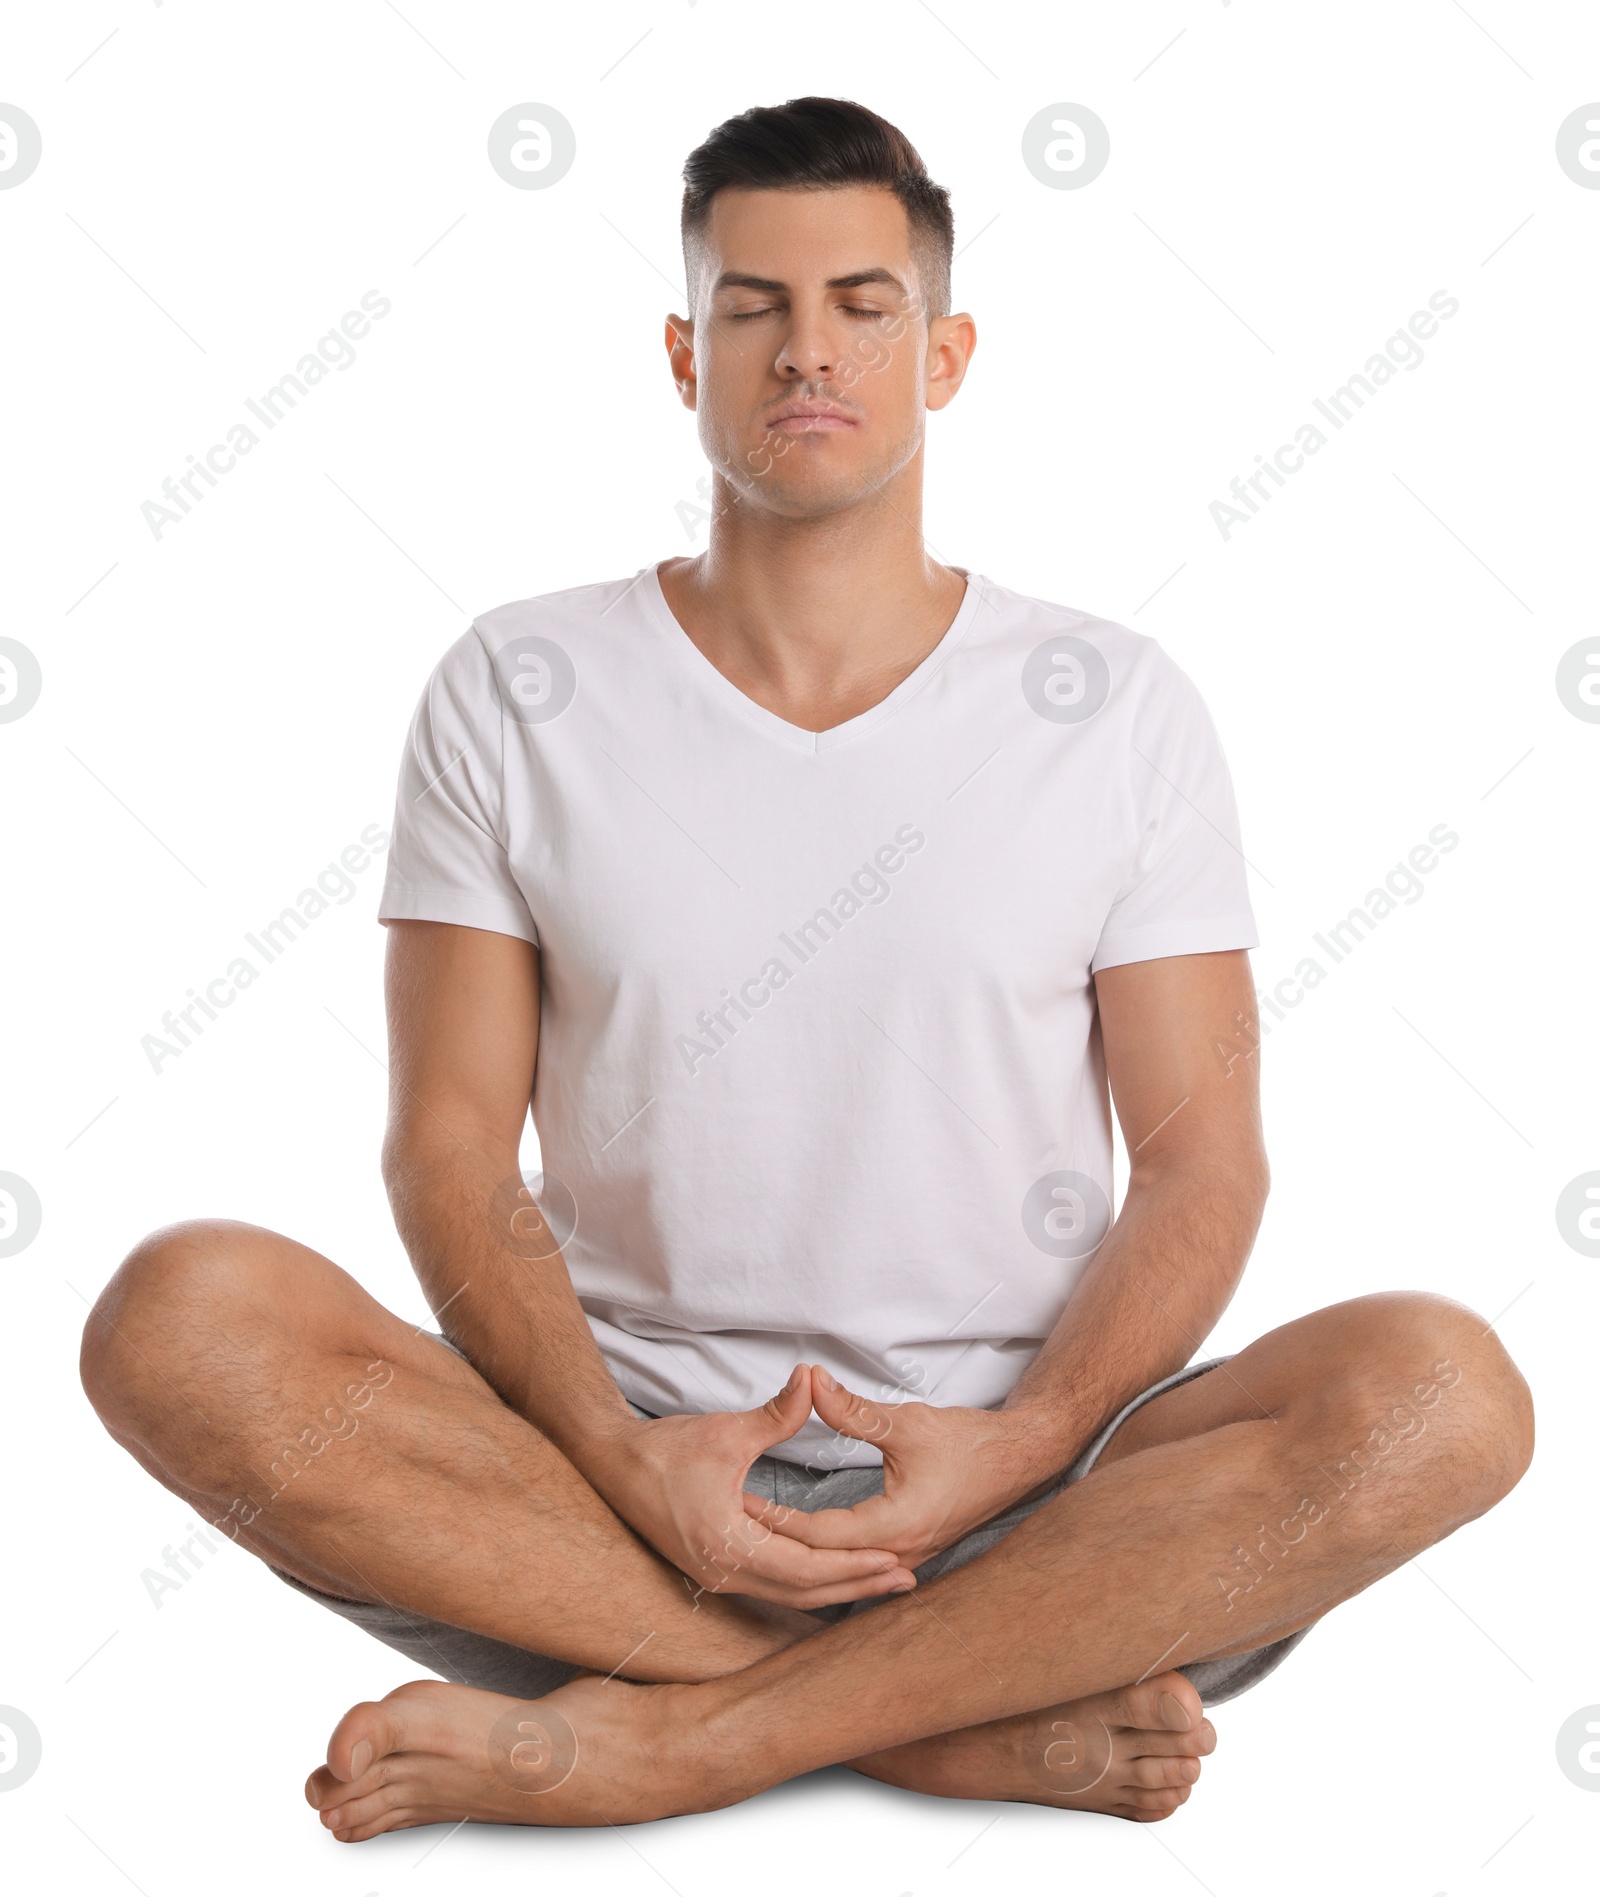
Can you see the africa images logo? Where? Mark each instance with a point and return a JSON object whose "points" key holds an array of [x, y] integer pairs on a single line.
{"points": [[867, 887]]}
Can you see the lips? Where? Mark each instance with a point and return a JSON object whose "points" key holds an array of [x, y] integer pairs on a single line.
{"points": [[810, 418]]}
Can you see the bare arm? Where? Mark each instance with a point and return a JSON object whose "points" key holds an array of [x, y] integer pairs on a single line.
{"points": [[463, 1010], [1180, 1036]]}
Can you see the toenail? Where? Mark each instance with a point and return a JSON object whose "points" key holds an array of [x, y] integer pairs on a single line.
{"points": [[1176, 1718], [361, 1756]]}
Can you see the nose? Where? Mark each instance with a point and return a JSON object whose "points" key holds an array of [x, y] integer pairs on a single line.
{"points": [[808, 353]]}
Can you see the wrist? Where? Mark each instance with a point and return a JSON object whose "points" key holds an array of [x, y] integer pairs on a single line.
{"points": [[593, 1428], [605, 1449], [1039, 1437]]}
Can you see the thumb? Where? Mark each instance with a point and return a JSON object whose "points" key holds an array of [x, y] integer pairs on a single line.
{"points": [[844, 1411], [783, 1415]]}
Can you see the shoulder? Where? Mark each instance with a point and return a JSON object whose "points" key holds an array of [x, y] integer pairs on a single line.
{"points": [[550, 627], [576, 613], [1029, 632]]}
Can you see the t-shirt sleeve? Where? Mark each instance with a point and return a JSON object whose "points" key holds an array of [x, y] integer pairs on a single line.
{"points": [[447, 860], [1185, 891]]}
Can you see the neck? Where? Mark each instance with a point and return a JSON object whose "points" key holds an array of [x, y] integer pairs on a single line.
{"points": [[816, 618]]}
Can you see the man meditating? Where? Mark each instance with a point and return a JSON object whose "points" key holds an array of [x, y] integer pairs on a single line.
{"points": [[810, 1406]]}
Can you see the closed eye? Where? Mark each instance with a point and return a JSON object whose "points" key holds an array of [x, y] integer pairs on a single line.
{"points": [[850, 309]]}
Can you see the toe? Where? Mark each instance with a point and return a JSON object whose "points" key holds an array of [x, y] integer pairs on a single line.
{"points": [[397, 1820], [405, 1720], [319, 1786], [1157, 1804], [364, 1734], [1160, 1774], [388, 1809], [1168, 1703], [1199, 1743], [325, 1789], [337, 1797]]}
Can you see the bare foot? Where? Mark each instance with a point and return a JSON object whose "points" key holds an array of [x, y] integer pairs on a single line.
{"points": [[593, 1752], [1133, 1753]]}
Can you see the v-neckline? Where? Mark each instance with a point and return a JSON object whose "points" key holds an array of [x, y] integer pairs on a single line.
{"points": [[796, 736]]}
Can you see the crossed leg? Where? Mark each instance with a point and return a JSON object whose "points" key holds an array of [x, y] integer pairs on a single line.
{"points": [[1234, 1511], [1193, 1538], [231, 1363], [219, 1351]]}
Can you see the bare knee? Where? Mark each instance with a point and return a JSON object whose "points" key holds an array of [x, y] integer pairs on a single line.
{"points": [[179, 1292], [1417, 1362]]}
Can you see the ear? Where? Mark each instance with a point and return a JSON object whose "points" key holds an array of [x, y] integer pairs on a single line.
{"points": [[951, 341], [680, 354]]}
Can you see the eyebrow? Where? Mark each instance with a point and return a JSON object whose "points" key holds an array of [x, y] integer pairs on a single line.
{"points": [[857, 279]]}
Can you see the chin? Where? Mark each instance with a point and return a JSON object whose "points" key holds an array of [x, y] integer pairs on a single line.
{"points": [[819, 492]]}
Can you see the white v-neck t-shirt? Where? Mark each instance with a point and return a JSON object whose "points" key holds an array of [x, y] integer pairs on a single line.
{"points": [[819, 1074]]}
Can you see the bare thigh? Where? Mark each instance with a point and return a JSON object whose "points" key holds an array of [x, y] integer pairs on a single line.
{"points": [[220, 1353], [1390, 1361]]}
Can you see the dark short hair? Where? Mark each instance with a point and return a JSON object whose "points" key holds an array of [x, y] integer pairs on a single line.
{"points": [[820, 145]]}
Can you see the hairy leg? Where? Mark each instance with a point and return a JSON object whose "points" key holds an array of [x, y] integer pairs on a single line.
{"points": [[1134, 1753], [258, 1381], [1227, 1514]]}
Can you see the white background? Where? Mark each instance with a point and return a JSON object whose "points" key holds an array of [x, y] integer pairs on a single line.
{"points": [[223, 710]]}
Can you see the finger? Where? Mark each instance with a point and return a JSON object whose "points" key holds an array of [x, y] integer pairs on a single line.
{"points": [[800, 1577], [864, 1527], [781, 1416], [777, 1515], [777, 1558], [850, 1591], [842, 1410], [842, 1527], [768, 1556], [874, 1523], [761, 1544]]}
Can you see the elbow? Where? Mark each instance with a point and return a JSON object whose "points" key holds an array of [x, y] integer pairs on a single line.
{"points": [[407, 1156], [1217, 1170], [1255, 1188], [1230, 1184], [394, 1160], [1251, 1179], [1261, 1186], [425, 1150]]}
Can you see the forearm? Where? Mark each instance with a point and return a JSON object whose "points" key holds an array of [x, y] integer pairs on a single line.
{"points": [[1145, 1304], [489, 1265]]}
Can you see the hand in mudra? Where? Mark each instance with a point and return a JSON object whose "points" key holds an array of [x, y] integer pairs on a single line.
{"points": [[679, 1480], [945, 1471]]}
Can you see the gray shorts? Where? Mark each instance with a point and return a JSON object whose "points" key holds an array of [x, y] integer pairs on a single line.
{"points": [[476, 1660]]}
